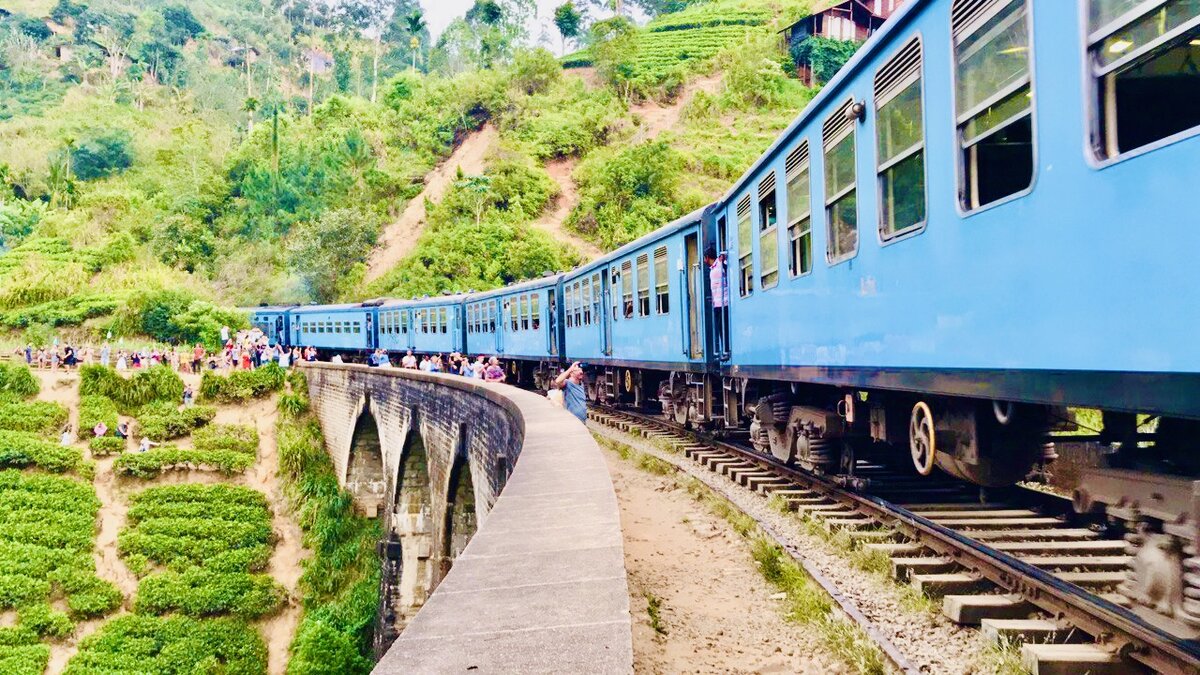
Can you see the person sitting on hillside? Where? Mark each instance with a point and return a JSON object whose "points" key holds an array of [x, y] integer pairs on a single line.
{"points": [[122, 430], [100, 429], [189, 395], [146, 444], [68, 435]]}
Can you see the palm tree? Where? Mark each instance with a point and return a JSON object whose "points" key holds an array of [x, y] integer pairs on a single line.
{"points": [[415, 25], [250, 107]]}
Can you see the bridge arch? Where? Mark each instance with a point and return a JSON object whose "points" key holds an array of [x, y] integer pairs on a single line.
{"points": [[460, 519], [365, 477]]}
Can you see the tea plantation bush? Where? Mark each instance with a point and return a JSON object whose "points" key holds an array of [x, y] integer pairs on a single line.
{"points": [[94, 409], [156, 460], [227, 437], [102, 446], [20, 449], [21, 653], [210, 538], [47, 525], [18, 380], [38, 417], [340, 584], [163, 421], [137, 643], [242, 385], [158, 383]]}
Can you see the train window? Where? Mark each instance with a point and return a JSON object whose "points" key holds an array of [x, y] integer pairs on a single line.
{"points": [[643, 285], [491, 316], [577, 307], [841, 188], [524, 312], [901, 142], [799, 211], [614, 289], [337, 327], [535, 312], [768, 235], [597, 296], [662, 282], [745, 248], [404, 322], [994, 99], [627, 289], [445, 322], [1144, 56], [569, 305], [586, 301]]}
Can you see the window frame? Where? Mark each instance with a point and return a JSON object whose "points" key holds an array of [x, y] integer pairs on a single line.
{"points": [[586, 301], [662, 300], [793, 220], [745, 259], [1094, 130], [627, 296], [535, 311], [829, 201], [644, 283], [911, 230], [959, 149], [763, 231]]}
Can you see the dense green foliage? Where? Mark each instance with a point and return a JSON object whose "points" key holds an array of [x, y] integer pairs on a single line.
{"points": [[228, 437], [240, 386], [18, 380], [164, 420], [102, 446], [340, 585], [210, 538], [47, 524], [137, 643], [155, 384], [21, 653], [825, 56], [19, 449], [39, 417], [94, 409]]}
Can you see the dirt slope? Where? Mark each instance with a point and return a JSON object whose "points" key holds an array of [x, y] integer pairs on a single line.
{"points": [[552, 221], [400, 236]]}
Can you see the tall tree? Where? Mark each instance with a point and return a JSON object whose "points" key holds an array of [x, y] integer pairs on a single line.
{"points": [[567, 19], [415, 24]]}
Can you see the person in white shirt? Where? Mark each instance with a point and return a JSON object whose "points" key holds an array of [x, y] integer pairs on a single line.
{"points": [[719, 289], [409, 361]]}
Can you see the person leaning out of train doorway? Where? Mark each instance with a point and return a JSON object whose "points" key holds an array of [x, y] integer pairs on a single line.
{"points": [[574, 395], [719, 288]]}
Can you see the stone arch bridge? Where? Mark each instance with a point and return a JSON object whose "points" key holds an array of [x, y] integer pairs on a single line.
{"points": [[502, 547]]}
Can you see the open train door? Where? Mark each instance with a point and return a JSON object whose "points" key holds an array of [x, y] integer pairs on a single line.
{"points": [[693, 295]]}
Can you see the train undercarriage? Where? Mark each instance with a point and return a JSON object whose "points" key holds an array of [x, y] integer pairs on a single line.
{"points": [[1145, 489]]}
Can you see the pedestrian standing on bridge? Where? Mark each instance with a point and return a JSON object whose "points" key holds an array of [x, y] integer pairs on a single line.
{"points": [[494, 372], [409, 361], [574, 394]]}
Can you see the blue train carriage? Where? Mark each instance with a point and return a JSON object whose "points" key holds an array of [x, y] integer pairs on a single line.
{"points": [[272, 320], [348, 329], [950, 242], [638, 315], [436, 324], [521, 324]]}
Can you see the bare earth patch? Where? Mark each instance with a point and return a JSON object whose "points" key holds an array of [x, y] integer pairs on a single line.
{"points": [[712, 610]]}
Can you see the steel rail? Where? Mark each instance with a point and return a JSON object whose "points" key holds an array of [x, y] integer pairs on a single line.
{"points": [[1110, 624]]}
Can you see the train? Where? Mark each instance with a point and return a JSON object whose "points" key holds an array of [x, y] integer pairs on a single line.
{"points": [[986, 217]]}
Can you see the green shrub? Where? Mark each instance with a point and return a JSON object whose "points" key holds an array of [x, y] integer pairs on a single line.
{"points": [[156, 460], [199, 592], [71, 311], [340, 584], [102, 155], [102, 446], [242, 385], [182, 526], [95, 409], [158, 383], [16, 379], [24, 659], [47, 526], [176, 644], [38, 417], [20, 449], [162, 421], [227, 437], [45, 621]]}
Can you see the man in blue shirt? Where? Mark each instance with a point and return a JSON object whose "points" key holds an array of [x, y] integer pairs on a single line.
{"points": [[574, 395]]}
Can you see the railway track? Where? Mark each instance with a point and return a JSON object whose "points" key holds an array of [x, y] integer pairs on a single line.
{"points": [[1020, 567]]}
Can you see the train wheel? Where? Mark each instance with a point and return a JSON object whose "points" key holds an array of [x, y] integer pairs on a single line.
{"points": [[922, 438]]}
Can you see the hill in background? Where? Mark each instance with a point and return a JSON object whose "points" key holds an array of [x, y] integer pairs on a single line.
{"points": [[161, 160]]}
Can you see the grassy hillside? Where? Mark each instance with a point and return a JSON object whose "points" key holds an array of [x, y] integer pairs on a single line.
{"points": [[152, 185]]}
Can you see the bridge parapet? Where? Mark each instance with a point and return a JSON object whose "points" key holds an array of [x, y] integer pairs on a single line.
{"points": [[526, 556]]}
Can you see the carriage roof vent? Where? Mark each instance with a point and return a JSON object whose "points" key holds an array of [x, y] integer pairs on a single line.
{"points": [[839, 124], [796, 159], [899, 73]]}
